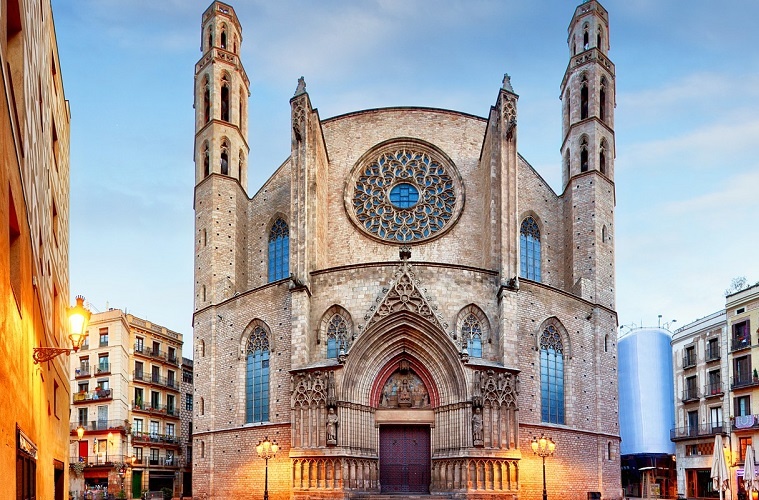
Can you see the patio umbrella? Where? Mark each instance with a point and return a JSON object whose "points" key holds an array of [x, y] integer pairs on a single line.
{"points": [[719, 467], [749, 474]]}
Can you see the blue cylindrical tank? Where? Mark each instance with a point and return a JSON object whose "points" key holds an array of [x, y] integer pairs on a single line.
{"points": [[646, 391]]}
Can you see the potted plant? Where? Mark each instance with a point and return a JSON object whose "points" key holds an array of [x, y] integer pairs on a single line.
{"points": [[756, 375]]}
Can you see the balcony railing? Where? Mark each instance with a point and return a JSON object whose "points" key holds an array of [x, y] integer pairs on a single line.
{"points": [[99, 459], [96, 395], [99, 425], [743, 379], [691, 394], [148, 378], [103, 368], [171, 411], [702, 430], [736, 344], [689, 361], [82, 372], [714, 389], [712, 354], [153, 437]]}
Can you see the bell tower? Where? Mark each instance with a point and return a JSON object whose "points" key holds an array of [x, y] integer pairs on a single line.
{"points": [[221, 98], [221, 154], [587, 152]]}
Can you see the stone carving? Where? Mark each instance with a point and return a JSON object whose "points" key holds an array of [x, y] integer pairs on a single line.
{"points": [[301, 88], [310, 388], [509, 115], [404, 195], [404, 294], [404, 390], [331, 427], [477, 427], [507, 83]]}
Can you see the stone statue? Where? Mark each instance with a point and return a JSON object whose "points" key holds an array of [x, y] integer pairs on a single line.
{"points": [[477, 427], [332, 427]]}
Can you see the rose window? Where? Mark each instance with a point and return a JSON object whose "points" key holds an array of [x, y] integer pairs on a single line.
{"points": [[404, 193]]}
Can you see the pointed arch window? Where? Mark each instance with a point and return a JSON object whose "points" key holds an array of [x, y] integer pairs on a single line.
{"points": [[241, 164], [567, 110], [566, 164], [206, 101], [210, 37], [224, 39], [337, 333], [471, 332], [602, 157], [585, 38], [257, 376], [583, 97], [584, 154], [279, 250], [206, 161], [599, 37], [529, 250], [551, 376], [602, 100], [225, 98], [224, 158]]}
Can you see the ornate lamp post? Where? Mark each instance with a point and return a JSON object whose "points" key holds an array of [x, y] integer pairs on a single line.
{"points": [[543, 447], [267, 449], [79, 316]]}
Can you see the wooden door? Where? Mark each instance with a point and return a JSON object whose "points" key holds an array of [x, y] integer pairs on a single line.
{"points": [[405, 458]]}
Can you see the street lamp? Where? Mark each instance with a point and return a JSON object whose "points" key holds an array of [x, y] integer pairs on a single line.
{"points": [[80, 432], [543, 447], [79, 316], [267, 449]]}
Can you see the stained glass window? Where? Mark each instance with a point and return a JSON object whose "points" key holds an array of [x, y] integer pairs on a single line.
{"points": [[472, 332], [404, 195], [551, 376], [257, 377], [337, 331], [279, 251], [529, 250]]}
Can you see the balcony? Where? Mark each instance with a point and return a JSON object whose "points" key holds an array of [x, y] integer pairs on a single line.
{"points": [[169, 411], [96, 395], [714, 389], [99, 425], [712, 354], [103, 368], [742, 380], [155, 438], [746, 422], [691, 394], [100, 460], [689, 361], [156, 461], [82, 372], [141, 376], [739, 343], [702, 430]]}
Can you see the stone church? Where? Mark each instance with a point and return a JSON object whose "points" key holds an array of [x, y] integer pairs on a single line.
{"points": [[405, 304]]}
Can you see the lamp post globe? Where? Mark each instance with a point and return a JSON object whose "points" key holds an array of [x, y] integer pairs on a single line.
{"points": [[543, 447], [267, 449]]}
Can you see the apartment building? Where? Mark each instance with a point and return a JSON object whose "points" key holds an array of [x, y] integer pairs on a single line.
{"points": [[742, 313], [185, 438], [127, 399], [700, 365]]}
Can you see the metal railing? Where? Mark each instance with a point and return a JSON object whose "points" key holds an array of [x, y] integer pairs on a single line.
{"points": [[690, 394], [154, 437], [694, 431], [689, 361], [743, 379], [103, 368], [99, 425], [712, 354], [100, 459], [171, 411], [80, 397], [739, 343], [714, 389], [149, 378], [82, 372]]}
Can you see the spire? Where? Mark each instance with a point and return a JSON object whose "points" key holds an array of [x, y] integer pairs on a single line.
{"points": [[301, 88]]}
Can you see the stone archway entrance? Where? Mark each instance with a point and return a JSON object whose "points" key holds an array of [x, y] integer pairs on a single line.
{"points": [[405, 458]]}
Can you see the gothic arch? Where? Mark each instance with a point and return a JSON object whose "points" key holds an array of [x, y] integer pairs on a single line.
{"points": [[481, 317], [321, 334], [565, 341], [394, 336], [243, 339]]}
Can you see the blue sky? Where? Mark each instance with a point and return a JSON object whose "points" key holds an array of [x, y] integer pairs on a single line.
{"points": [[687, 125]]}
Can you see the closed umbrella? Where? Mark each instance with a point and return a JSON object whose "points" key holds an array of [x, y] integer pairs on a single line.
{"points": [[719, 467], [749, 474]]}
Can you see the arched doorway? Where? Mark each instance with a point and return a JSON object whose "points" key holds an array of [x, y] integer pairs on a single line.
{"points": [[403, 395]]}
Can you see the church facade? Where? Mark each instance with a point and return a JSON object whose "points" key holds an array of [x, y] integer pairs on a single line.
{"points": [[405, 304]]}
